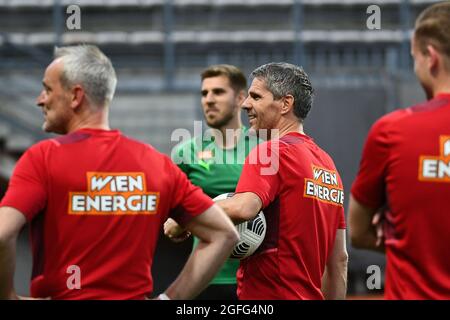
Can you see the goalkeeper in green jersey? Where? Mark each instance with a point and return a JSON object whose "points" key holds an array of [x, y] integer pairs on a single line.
{"points": [[214, 161]]}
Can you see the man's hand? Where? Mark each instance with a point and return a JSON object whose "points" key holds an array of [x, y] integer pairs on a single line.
{"points": [[175, 232], [365, 225], [378, 222]]}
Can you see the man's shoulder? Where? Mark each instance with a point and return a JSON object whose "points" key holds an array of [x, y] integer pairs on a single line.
{"points": [[395, 117], [135, 146], [42, 145], [137, 143], [275, 145], [59, 144], [267, 152], [391, 119]]}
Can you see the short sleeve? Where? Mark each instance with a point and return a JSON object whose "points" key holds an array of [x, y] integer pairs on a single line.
{"points": [[260, 174], [188, 200], [369, 186], [27, 190]]}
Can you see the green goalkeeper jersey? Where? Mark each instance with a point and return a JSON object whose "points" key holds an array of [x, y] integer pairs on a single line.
{"points": [[216, 171]]}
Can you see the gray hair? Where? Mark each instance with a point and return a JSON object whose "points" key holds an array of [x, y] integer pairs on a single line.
{"points": [[88, 66], [284, 79]]}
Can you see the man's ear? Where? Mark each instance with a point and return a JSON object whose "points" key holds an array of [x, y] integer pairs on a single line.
{"points": [[287, 104], [77, 96], [434, 59], [242, 95]]}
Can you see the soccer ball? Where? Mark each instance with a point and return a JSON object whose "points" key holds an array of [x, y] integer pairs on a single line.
{"points": [[251, 233]]}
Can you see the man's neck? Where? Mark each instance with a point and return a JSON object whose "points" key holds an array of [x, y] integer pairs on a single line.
{"points": [[441, 87], [227, 137], [285, 128], [90, 120]]}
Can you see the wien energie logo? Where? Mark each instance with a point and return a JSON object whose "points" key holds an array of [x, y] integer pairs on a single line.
{"points": [[324, 187], [123, 193], [436, 168]]}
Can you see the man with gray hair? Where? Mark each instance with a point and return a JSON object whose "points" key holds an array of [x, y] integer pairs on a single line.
{"points": [[303, 255], [96, 199]]}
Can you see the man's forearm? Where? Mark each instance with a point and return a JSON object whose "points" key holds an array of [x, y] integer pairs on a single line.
{"points": [[334, 283], [7, 266], [232, 210], [363, 233], [202, 265], [241, 207]]}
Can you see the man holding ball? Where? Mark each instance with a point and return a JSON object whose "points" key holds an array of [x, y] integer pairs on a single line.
{"points": [[300, 191]]}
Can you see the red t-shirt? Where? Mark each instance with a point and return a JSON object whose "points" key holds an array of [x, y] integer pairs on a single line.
{"points": [[302, 197], [406, 165], [96, 201]]}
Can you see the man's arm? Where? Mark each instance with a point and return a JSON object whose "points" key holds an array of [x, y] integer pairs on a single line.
{"points": [[334, 281], [217, 237], [11, 222], [365, 231], [241, 207]]}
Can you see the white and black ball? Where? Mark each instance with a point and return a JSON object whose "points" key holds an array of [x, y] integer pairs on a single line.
{"points": [[251, 233]]}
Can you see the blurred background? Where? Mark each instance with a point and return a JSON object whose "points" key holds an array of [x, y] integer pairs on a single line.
{"points": [[159, 49]]}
